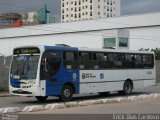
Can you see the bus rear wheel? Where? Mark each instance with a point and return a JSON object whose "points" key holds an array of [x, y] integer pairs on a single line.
{"points": [[127, 88], [41, 98], [66, 93]]}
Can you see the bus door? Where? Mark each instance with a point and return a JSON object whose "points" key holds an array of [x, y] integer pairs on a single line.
{"points": [[50, 65]]}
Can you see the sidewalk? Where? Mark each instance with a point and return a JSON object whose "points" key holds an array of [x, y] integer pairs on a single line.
{"points": [[4, 94]]}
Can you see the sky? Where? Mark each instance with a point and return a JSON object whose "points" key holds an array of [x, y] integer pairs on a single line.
{"points": [[128, 7]]}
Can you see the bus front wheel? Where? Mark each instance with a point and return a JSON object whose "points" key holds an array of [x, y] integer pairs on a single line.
{"points": [[41, 98], [66, 93]]}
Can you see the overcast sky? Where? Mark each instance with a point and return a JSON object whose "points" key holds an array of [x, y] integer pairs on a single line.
{"points": [[127, 6]]}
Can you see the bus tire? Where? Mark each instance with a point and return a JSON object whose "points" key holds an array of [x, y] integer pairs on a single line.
{"points": [[41, 98], [66, 93], [127, 88]]}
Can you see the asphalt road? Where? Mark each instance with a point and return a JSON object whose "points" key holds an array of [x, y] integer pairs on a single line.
{"points": [[21, 102]]}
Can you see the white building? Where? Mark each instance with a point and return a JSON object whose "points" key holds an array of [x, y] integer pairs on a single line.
{"points": [[143, 31], [75, 10]]}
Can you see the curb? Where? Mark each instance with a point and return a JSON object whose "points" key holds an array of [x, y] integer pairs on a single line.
{"points": [[55, 106], [33, 108], [10, 110]]}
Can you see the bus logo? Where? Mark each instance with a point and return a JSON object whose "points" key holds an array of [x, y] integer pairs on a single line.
{"points": [[74, 76], [101, 76], [83, 76]]}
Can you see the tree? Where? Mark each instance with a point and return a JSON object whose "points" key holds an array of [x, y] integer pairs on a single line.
{"points": [[157, 53]]}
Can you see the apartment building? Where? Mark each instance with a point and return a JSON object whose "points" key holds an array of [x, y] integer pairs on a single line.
{"points": [[76, 10]]}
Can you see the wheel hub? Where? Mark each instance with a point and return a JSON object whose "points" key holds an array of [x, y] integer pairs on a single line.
{"points": [[67, 93]]}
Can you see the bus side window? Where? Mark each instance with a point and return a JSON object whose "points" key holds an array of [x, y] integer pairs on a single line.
{"points": [[70, 60], [110, 62], [85, 60], [139, 63], [100, 60], [118, 58], [147, 61], [151, 63], [129, 61]]}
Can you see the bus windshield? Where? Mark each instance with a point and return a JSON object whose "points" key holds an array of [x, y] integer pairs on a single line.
{"points": [[24, 67]]}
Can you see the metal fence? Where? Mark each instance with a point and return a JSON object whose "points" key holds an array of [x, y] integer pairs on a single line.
{"points": [[4, 72]]}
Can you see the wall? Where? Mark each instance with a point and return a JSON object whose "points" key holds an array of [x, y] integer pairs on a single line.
{"points": [[87, 39], [4, 72], [158, 71]]}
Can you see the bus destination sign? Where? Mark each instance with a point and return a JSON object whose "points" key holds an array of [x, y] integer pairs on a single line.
{"points": [[32, 50]]}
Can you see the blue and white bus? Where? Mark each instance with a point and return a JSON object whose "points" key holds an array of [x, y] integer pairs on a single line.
{"points": [[62, 71]]}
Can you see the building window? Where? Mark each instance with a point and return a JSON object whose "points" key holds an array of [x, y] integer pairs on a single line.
{"points": [[90, 1], [123, 42], [90, 7], [79, 15], [90, 13], [109, 42], [75, 15]]}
